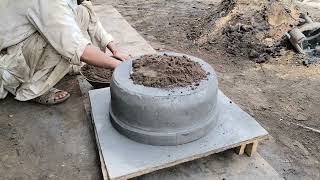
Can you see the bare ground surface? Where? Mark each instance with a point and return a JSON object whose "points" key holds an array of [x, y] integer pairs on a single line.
{"points": [[47, 142], [280, 94]]}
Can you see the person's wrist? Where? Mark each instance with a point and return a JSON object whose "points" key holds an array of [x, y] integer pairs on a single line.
{"points": [[112, 48], [114, 51], [106, 49]]}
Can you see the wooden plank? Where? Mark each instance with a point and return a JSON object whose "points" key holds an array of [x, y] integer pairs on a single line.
{"points": [[251, 149], [240, 149]]}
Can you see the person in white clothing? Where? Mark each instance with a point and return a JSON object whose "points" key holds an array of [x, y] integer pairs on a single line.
{"points": [[41, 40]]}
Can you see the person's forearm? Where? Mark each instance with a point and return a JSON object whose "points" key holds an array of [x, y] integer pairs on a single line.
{"points": [[112, 47], [116, 53], [93, 56]]}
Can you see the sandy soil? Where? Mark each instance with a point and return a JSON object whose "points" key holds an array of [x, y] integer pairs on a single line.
{"points": [[281, 94], [97, 74], [167, 71]]}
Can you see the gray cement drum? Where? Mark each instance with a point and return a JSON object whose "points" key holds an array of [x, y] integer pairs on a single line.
{"points": [[161, 116]]}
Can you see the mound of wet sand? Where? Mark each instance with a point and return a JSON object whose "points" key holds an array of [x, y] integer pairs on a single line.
{"points": [[166, 71], [250, 28]]}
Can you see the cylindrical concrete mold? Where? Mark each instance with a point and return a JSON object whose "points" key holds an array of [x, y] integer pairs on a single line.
{"points": [[160, 116]]}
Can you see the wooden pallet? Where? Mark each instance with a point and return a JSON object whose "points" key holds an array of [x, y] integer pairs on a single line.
{"points": [[249, 148]]}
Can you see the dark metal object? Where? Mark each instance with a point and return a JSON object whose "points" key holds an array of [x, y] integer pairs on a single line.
{"points": [[306, 39], [304, 34]]}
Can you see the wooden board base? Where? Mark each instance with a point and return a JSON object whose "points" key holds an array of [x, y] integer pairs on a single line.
{"points": [[125, 158]]}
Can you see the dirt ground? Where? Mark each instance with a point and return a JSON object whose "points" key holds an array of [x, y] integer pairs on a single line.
{"points": [[282, 94], [47, 142]]}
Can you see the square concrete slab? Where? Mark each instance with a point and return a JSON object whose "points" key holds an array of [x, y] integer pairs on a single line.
{"points": [[125, 158]]}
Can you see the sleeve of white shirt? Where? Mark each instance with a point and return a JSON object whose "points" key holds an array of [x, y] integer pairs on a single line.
{"points": [[55, 20], [96, 31], [102, 36]]}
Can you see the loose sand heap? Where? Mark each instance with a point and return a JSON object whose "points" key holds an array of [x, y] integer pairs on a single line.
{"points": [[167, 71], [97, 74], [252, 28]]}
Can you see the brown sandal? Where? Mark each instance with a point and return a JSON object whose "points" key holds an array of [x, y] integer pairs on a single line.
{"points": [[49, 97]]}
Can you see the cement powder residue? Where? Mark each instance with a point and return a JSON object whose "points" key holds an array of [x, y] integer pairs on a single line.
{"points": [[167, 71]]}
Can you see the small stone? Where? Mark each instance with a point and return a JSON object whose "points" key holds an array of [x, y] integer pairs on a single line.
{"points": [[282, 52], [5, 157], [287, 9], [261, 60], [253, 54], [301, 117], [246, 28]]}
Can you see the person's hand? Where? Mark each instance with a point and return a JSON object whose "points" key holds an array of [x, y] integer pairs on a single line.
{"points": [[115, 62], [121, 56], [116, 53], [94, 56]]}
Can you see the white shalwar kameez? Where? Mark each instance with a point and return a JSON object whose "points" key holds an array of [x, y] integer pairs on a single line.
{"points": [[40, 40]]}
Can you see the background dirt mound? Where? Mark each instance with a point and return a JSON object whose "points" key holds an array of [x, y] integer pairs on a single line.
{"points": [[97, 74], [252, 28], [166, 71]]}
